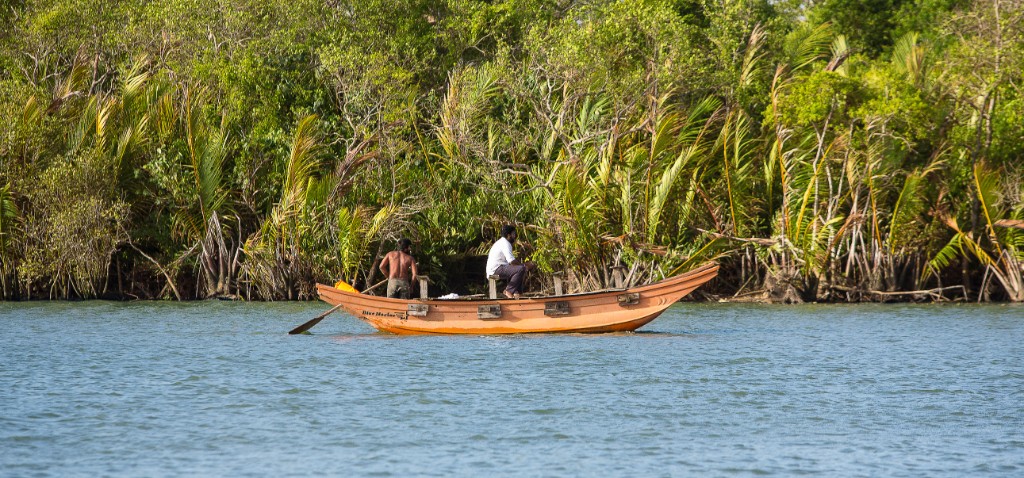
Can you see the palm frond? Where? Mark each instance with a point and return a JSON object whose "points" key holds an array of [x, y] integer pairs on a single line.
{"points": [[166, 114], [74, 83], [349, 239], [302, 159], [801, 176], [8, 217], [945, 257], [131, 138], [753, 56], [318, 191], [591, 113], [32, 112], [806, 45], [465, 102], [665, 185], [840, 52], [705, 253], [106, 108], [736, 169], [86, 123], [987, 185], [135, 80], [380, 219], [909, 206], [210, 170], [908, 57]]}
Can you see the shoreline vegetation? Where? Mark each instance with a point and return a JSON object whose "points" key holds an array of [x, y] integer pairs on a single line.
{"points": [[827, 151]]}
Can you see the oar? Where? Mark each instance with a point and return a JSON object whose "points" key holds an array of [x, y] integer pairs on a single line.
{"points": [[316, 320]]}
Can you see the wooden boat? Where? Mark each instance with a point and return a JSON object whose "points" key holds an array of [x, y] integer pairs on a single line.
{"points": [[614, 310]]}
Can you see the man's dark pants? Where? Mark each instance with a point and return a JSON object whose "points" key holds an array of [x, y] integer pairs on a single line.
{"points": [[514, 275]]}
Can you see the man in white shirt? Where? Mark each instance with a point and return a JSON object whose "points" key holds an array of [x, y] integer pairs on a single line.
{"points": [[502, 262]]}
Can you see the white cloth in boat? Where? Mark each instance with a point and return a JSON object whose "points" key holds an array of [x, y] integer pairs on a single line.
{"points": [[500, 255]]}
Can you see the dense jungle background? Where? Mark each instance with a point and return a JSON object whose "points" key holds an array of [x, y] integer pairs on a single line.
{"points": [[819, 150]]}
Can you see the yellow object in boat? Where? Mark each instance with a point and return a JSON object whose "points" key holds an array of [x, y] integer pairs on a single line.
{"points": [[342, 285]]}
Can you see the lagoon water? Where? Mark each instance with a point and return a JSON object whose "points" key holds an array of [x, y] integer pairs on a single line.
{"points": [[219, 389]]}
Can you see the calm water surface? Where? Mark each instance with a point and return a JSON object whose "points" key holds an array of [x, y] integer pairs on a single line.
{"points": [[163, 389]]}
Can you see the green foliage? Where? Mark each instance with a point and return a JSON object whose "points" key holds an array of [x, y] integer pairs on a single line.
{"points": [[253, 148], [820, 98], [8, 232], [867, 23], [73, 228], [615, 46]]}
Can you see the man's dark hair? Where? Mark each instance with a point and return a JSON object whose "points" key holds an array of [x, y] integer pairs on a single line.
{"points": [[507, 229], [404, 243]]}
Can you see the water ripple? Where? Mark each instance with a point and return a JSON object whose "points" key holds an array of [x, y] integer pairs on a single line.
{"points": [[217, 388]]}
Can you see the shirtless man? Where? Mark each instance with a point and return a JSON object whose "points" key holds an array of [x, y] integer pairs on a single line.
{"points": [[400, 268]]}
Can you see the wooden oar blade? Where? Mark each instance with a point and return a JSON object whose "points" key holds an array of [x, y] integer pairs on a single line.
{"points": [[341, 285], [304, 327], [315, 320]]}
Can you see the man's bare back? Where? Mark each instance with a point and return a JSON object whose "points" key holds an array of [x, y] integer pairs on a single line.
{"points": [[399, 265]]}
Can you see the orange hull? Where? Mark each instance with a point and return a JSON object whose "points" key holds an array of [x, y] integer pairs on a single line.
{"points": [[593, 312]]}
